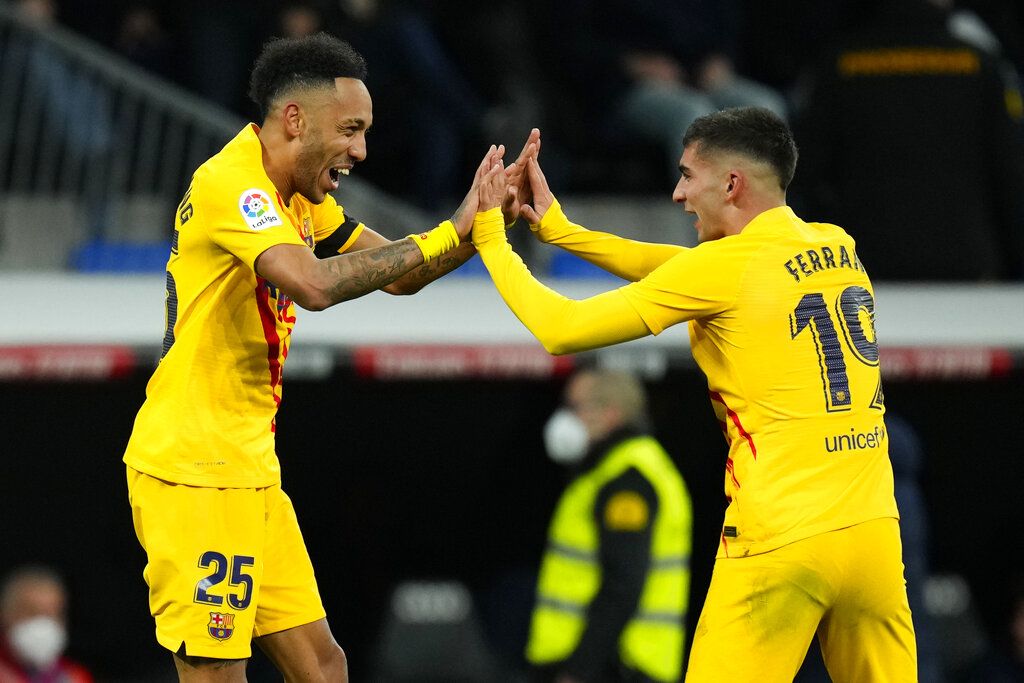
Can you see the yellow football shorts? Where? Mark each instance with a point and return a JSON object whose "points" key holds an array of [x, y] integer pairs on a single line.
{"points": [[847, 586], [225, 565]]}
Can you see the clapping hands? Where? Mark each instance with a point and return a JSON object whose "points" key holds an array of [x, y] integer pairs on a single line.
{"points": [[518, 190], [522, 186], [463, 216]]}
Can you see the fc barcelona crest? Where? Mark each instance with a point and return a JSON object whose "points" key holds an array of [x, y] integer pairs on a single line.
{"points": [[221, 626]]}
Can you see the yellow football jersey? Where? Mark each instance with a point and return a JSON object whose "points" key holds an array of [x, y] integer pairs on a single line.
{"points": [[782, 325], [208, 418]]}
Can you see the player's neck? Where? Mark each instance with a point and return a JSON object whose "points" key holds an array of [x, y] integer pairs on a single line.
{"points": [[751, 208], [276, 161]]}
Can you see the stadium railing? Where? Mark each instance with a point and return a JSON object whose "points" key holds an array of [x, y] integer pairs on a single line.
{"points": [[95, 153]]}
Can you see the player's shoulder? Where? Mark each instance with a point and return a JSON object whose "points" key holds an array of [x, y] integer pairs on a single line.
{"points": [[731, 251], [235, 169], [231, 186], [827, 230]]}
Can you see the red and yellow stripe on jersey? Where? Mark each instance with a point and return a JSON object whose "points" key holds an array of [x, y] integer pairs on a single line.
{"points": [[781, 322], [208, 418]]}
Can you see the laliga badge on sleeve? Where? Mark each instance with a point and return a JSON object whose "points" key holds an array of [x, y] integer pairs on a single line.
{"points": [[258, 209]]}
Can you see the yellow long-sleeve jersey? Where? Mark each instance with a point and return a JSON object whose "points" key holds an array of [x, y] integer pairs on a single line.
{"points": [[208, 418], [782, 323]]}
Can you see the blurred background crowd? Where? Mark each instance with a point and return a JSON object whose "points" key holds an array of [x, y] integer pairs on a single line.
{"points": [[907, 112]]}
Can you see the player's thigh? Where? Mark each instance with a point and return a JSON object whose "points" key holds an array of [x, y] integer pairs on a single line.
{"points": [[289, 596], [759, 618], [205, 551], [868, 634], [306, 653]]}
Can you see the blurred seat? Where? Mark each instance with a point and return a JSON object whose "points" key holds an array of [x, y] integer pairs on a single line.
{"points": [[955, 621], [100, 256], [431, 634]]}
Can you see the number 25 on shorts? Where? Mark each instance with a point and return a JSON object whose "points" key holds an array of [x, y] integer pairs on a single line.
{"points": [[207, 592]]}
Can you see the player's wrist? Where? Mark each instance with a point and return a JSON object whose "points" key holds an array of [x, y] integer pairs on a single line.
{"points": [[440, 240], [488, 226], [552, 222]]}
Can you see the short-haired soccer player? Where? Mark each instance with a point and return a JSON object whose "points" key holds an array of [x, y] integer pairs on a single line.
{"points": [[781, 322], [256, 233]]}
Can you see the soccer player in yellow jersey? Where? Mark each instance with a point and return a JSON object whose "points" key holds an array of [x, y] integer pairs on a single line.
{"points": [[781, 321], [256, 233]]}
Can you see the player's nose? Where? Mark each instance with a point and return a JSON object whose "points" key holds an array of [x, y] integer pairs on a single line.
{"points": [[679, 194], [357, 150]]}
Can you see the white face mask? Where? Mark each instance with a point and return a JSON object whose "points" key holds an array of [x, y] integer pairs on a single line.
{"points": [[565, 437], [37, 642]]}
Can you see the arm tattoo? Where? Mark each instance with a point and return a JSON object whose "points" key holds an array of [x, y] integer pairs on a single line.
{"points": [[366, 271], [428, 272]]}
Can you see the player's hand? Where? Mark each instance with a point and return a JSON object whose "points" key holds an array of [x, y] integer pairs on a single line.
{"points": [[463, 216], [492, 188], [518, 191], [542, 197]]}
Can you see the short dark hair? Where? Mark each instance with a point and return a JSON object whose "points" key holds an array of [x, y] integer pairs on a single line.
{"points": [[754, 132], [309, 62]]}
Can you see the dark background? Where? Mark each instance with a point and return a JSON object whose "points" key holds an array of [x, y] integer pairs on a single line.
{"points": [[442, 479]]}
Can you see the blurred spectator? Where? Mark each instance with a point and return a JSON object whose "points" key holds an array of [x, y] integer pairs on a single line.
{"points": [[614, 581], [72, 106], [141, 37], [906, 140], [218, 43], [781, 39], [33, 629], [298, 20], [907, 456], [426, 112], [499, 57], [1004, 18], [1005, 662], [647, 68]]}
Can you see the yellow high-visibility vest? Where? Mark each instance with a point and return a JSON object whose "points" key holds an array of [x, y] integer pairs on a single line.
{"points": [[570, 576]]}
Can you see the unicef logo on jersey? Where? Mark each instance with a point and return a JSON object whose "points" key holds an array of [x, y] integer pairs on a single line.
{"points": [[258, 210]]}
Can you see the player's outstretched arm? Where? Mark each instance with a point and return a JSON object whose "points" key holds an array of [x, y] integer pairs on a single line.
{"points": [[419, 277], [316, 284], [562, 325], [629, 259]]}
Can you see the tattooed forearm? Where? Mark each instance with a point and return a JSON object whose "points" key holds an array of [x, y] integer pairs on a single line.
{"points": [[418, 278], [367, 271]]}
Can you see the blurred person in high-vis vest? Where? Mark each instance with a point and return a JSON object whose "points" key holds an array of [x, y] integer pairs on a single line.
{"points": [[614, 582]]}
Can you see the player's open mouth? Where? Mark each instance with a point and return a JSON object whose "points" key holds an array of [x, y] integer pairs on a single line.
{"points": [[336, 172]]}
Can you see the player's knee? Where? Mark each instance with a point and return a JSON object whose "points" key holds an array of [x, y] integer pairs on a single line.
{"points": [[334, 664]]}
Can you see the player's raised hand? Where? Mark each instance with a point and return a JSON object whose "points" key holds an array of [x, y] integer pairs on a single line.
{"points": [[463, 216], [542, 196], [492, 188], [518, 191]]}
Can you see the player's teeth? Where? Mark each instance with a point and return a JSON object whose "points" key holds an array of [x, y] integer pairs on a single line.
{"points": [[344, 171]]}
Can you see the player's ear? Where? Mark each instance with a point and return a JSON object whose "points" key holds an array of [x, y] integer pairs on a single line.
{"points": [[293, 118], [733, 182]]}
